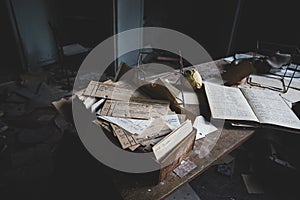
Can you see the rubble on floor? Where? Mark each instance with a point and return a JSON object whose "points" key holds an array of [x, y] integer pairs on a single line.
{"points": [[30, 130]]}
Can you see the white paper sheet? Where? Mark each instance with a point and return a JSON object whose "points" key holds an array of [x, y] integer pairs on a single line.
{"points": [[172, 121], [133, 126], [96, 105], [89, 102], [138, 126], [203, 127], [228, 103]]}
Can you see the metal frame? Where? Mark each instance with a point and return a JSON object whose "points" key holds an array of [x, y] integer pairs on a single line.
{"points": [[290, 49]]}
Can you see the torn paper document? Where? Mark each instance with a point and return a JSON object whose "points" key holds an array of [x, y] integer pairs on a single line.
{"points": [[133, 126], [101, 90], [146, 129], [103, 124], [203, 127], [136, 110], [126, 109], [157, 128], [172, 121], [125, 139], [158, 107]]}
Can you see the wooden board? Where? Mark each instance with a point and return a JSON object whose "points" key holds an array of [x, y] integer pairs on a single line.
{"points": [[228, 141]]}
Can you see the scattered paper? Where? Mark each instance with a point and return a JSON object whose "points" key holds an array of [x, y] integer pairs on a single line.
{"points": [[132, 109], [125, 139], [172, 121], [133, 126], [203, 127], [229, 59], [126, 109], [184, 168], [157, 128], [101, 90], [96, 105], [150, 128], [88, 102], [104, 124], [238, 56]]}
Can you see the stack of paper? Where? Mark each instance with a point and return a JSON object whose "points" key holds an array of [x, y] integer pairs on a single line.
{"points": [[138, 122]]}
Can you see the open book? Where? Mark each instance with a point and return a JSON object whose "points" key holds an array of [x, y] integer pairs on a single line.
{"points": [[264, 107]]}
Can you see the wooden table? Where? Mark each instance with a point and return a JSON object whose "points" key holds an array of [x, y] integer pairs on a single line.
{"points": [[228, 141], [206, 151]]}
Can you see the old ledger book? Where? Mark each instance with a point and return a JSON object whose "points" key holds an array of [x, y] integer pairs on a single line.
{"points": [[264, 107]]}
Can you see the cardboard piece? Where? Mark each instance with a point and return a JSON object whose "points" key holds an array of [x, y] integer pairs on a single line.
{"points": [[64, 107], [146, 124], [252, 184]]}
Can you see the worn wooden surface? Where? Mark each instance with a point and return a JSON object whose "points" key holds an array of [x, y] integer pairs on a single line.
{"points": [[206, 151], [215, 145]]}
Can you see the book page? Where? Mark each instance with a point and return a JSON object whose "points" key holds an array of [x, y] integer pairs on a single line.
{"points": [[228, 103], [270, 108]]}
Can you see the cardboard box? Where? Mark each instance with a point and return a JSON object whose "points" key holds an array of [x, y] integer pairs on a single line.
{"points": [[177, 155]]}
